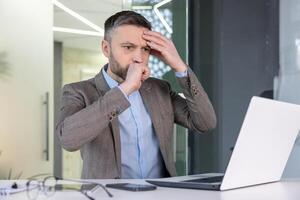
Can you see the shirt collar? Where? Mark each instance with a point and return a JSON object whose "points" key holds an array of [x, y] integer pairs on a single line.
{"points": [[111, 82]]}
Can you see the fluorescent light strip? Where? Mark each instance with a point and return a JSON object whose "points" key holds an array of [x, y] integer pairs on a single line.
{"points": [[77, 31], [141, 7], [163, 21], [79, 17]]}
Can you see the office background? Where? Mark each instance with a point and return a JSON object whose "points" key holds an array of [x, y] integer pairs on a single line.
{"points": [[238, 48]]}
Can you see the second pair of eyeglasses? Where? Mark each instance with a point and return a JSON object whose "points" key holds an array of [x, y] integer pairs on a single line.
{"points": [[50, 184]]}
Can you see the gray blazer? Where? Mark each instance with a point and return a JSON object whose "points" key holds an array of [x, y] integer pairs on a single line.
{"points": [[89, 120]]}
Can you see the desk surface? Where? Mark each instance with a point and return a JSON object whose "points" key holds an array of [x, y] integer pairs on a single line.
{"points": [[285, 189]]}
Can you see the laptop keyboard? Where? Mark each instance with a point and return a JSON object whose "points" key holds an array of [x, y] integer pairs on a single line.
{"points": [[212, 179]]}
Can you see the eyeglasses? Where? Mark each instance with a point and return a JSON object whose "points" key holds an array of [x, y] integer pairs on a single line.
{"points": [[49, 185]]}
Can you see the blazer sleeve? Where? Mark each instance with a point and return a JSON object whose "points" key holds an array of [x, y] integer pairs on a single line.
{"points": [[195, 111], [79, 124]]}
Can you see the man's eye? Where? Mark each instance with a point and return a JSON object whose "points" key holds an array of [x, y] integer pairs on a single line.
{"points": [[147, 49], [128, 47]]}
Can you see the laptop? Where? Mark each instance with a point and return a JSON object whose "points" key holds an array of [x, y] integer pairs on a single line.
{"points": [[261, 151]]}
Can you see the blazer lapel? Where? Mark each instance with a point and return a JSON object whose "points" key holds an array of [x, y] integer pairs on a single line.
{"points": [[102, 88], [117, 143], [153, 108]]}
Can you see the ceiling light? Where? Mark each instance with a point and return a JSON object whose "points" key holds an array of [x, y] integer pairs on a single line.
{"points": [[79, 17], [77, 31], [141, 7]]}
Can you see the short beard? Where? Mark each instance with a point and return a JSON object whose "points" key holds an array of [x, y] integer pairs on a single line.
{"points": [[116, 67]]}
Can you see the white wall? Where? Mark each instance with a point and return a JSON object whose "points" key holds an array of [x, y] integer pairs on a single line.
{"points": [[27, 39]]}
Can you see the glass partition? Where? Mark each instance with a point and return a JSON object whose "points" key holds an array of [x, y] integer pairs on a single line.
{"points": [[288, 82]]}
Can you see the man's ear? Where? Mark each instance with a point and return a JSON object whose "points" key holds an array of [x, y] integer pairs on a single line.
{"points": [[105, 48]]}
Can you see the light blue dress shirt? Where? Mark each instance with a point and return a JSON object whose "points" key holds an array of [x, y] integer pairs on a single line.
{"points": [[140, 154]]}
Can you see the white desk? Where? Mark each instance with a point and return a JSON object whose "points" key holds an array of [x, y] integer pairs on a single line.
{"points": [[284, 190]]}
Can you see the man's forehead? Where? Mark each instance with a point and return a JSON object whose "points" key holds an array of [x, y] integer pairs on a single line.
{"points": [[129, 33]]}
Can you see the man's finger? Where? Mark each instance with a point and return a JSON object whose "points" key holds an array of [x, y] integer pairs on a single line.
{"points": [[154, 39], [146, 73], [156, 53], [156, 34], [156, 46]]}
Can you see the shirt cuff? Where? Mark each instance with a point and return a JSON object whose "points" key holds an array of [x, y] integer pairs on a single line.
{"points": [[123, 93], [181, 74]]}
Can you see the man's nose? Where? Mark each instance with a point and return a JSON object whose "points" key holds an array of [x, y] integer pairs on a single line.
{"points": [[138, 57]]}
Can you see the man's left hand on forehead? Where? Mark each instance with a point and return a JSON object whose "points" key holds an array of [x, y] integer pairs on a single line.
{"points": [[164, 49]]}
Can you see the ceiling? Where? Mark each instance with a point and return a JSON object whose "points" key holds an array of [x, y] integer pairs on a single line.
{"points": [[96, 11]]}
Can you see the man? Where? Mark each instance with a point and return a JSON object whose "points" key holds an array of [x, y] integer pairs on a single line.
{"points": [[122, 120]]}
